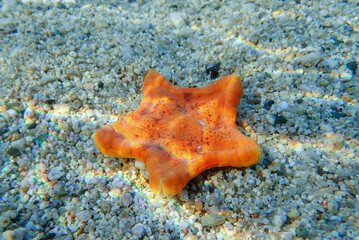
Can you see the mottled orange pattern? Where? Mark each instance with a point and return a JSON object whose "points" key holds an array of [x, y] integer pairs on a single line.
{"points": [[180, 132]]}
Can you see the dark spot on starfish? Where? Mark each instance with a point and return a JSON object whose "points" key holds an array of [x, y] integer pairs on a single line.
{"points": [[188, 96]]}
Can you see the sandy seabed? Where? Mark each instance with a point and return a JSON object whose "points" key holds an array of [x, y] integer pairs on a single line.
{"points": [[69, 67]]}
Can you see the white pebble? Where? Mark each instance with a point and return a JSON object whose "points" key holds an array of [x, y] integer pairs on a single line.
{"points": [[127, 52], [85, 215], [279, 219], [29, 114], [61, 109], [126, 199], [177, 20], [12, 113], [138, 230], [310, 59], [139, 164], [44, 205], [332, 63], [8, 5], [55, 173], [4, 221], [270, 119], [345, 73], [284, 105]]}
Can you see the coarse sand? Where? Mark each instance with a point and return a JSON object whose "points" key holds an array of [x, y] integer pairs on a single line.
{"points": [[69, 67]]}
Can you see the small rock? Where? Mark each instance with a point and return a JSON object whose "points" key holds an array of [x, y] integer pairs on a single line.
{"points": [[105, 207], [5, 207], [126, 199], [48, 79], [89, 86], [139, 164], [293, 213], [279, 220], [12, 113], [213, 69], [55, 173], [17, 234], [345, 73], [310, 59], [48, 236], [212, 220], [270, 119], [183, 195], [352, 66], [100, 84], [301, 232], [9, 5], [7, 26], [29, 114], [138, 230], [85, 215], [329, 64], [127, 52], [61, 109], [177, 20], [279, 119], [14, 152], [43, 205], [166, 71], [267, 105], [4, 221], [284, 105]]}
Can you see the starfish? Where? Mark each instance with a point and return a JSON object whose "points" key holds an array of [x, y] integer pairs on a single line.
{"points": [[180, 132]]}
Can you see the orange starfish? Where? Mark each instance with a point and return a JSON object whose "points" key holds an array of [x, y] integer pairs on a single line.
{"points": [[180, 132]]}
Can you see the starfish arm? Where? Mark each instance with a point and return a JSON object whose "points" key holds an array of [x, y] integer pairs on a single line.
{"points": [[110, 142], [228, 89], [246, 155], [167, 175]]}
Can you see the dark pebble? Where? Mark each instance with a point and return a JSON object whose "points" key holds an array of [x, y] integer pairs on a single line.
{"points": [[48, 236], [337, 114], [299, 101], [301, 232], [208, 188], [213, 69], [3, 130], [31, 126], [255, 100], [16, 106], [14, 152], [352, 66], [50, 101], [100, 84], [279, 119], [40, 139], [268, 104]]}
